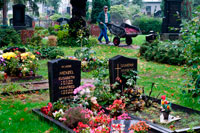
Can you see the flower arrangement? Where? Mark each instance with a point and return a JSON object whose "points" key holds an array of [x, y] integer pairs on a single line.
{"points": [[84, 94], [139, 127], [18, 64], [117, 107], [165, 105]]}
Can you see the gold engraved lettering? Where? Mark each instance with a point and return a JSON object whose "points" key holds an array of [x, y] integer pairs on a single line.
{"points": [[66, 66], [66, 78], [70, 72], [67, 87], [127, 65]]}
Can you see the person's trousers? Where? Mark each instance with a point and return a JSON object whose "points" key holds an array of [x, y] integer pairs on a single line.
{"points": [[103, 34]]}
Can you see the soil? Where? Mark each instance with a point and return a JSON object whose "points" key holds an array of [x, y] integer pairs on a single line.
{"points": [[152, 114]]}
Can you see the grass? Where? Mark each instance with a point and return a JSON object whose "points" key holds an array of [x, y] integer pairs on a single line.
{"points": [[138, 40], [169, 81]]}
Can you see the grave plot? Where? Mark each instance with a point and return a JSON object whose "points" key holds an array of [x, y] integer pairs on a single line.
{"points": [[17, 64], [24, 88], [78, 110]]}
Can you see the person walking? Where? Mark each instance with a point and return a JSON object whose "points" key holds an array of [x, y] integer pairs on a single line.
{"points": [[103, 19]]}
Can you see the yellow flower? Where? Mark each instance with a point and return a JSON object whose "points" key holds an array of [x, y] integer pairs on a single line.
{"points": [[162, 102], [9, 55]]}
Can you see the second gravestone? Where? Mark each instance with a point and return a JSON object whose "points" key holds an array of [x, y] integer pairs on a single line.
{"points": [[118, 66], [64, 77]]}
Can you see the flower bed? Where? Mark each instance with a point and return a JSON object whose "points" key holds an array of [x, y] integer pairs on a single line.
{"points": [[84, 114], [146, 116], [18, 65]]}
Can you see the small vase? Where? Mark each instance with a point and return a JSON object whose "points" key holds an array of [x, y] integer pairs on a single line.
{"points": [[166, 114]]}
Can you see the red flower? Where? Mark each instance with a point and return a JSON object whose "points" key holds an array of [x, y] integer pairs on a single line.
{"points": [[38, 53], [163, 97]]}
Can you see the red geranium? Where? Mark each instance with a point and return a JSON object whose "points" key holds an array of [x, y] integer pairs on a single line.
{"points": [[46, 109], [163, 97]]}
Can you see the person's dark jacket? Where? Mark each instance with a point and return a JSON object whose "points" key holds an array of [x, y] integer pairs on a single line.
{"points": [[101, 18]]}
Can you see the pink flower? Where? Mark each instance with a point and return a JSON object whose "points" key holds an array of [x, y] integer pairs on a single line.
{"points": [[163, 97], [62, 119]]}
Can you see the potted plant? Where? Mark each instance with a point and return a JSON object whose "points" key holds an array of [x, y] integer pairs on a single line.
{"points": [[165, 107]]}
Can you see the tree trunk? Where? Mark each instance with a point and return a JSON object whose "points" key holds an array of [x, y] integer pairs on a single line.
{"points": [[5, 11]]}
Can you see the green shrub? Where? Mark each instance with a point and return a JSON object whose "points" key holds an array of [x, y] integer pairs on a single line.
{"points": [[50, 52], [190, 33], [54, 53], [147, 24], [8, 36], [164, 52]]}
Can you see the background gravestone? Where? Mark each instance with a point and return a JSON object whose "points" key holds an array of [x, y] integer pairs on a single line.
{"points": [[64, 77], [172, 19], [28, 21], [120, 65], [77, 21], [19, 15]]}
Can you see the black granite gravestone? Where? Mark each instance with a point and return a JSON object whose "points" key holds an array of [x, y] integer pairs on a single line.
{"points": [[19, 15], [64, 77], [118, 66], [28, 21], [172, 19]]}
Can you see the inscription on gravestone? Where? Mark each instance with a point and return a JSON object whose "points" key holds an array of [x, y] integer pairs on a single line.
{"points": [[64, 77], [120, 65]]}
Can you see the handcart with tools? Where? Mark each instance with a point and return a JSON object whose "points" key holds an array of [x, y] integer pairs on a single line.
{"points": [[123, 31]]}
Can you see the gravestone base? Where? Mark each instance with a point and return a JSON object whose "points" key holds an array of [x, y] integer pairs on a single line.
{"points": [[170, 36], [19, 28]]}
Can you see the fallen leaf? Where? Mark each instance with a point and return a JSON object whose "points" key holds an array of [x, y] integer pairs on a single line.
{"points": [[25, 109], [48, 131], [22, 119]]}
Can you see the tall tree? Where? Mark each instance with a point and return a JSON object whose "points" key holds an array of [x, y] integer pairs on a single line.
{"points": [[97, 7], [119, 2], [54, 3], [137, 2]]}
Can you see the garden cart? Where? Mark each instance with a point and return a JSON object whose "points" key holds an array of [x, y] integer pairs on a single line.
{"points": [[123, 31]]}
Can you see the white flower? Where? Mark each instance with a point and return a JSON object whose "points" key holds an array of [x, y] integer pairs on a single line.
{"points": [[94, 100], [82, 92], [55, 113], [87, 91], [61, 111]]}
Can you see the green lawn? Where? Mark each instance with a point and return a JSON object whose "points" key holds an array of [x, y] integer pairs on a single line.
{"points": [[15, 111]]}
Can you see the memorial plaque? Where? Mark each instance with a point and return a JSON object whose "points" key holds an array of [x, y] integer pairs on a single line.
{"points": [[64, 77], [120, 65]]}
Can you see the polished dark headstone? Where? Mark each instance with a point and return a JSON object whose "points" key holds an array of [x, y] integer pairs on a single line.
{"points": [[64, 77], [19, 15], [118, 66], [172, 16], [28, 21]]}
